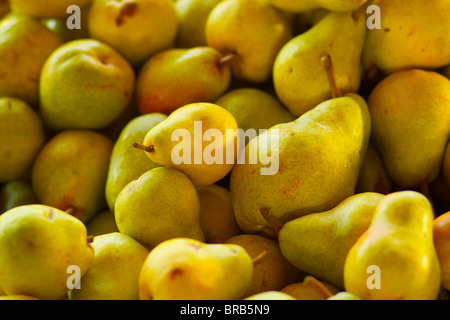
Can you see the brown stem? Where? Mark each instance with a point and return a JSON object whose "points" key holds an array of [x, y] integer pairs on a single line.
{"points": [[90, 239], [327, 64], [273, 222], [70, 210], [148, 149], [318, 286], [259, 257], [226, 60]]}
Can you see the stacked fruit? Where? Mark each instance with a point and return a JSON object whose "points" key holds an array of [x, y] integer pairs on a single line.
{"points": [[224, 149]]}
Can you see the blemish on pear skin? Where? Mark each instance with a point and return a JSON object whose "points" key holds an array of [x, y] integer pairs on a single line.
{"points": [[175, 272], [127, 11]]}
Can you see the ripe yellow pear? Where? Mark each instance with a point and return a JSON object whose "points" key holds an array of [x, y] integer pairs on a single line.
{"points": [[187, 269], [271, 295], [45, 8], [310, 288], [198, 139], [395, 258]]}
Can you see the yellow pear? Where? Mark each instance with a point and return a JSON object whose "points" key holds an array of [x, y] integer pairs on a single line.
{"points": [[310, 289], [188, 269], [271, 295], [395, 258], [45, 8]]}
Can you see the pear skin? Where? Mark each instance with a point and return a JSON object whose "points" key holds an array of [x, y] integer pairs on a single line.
{"points": [[318, 243], [188, 269], [395, 258], [271, 295], [308, 5], [137, 29], [22, 137], [441, 238], [45, 8], [177, 77], [114, 272], [182, 142], [310, 289], [102, 223], [151, 210], [410, 127], [39, 243], [216, 214], [17, 193], [127, 163], [70, 172], [253, 31], [298, 76], [21, 72]]}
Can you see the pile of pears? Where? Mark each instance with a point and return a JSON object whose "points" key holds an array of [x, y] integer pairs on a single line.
{"points": [[96, 95]]}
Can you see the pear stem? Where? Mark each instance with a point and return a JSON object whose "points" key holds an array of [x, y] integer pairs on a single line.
{"points": [[70, 210], [90, 239], [318, 286], [327, 64], [148, 149], [226, 60], [259, 257], [273, 222]]}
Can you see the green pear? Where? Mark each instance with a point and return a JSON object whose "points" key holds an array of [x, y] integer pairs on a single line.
{"points": [[151, 210], [308, 5], [114, 272], [137, 29], [192, 17], [314, 163], [127, 163], [271, 295], [84, 84], [271, 270], [411, 127], [318, 243], [22, 136], [298, 77], [189, 269], [408, 41], [253, 31], [196, 125], [17, 193], [102, 223], [45, 8], [25, 44], [395, 258], [216, 214], [176, 77], [70, 172], [372, 175], [254, 108], [38, 247]]}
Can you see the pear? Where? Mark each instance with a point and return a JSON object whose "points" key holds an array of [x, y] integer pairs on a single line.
{"points": [[216, 214], [176, 77], [18, 297], [127, 163], [25, 44], [251, 107], [102, 223], [298, 77], [395, 258], [137, 29], [318, 243], [309, 5], [441, 240], [114, 272], [38, 244], [315, 162], [70, 172], [22, 136], [412, 40], [195, 124], [310, 289], [253, 31], [151, 210], [16, 193], [45, 8], [192, 16], [271, 270], [84, 84], [271, 295], [189, 269], [372, 175], [410, 127], [344, 296]]}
